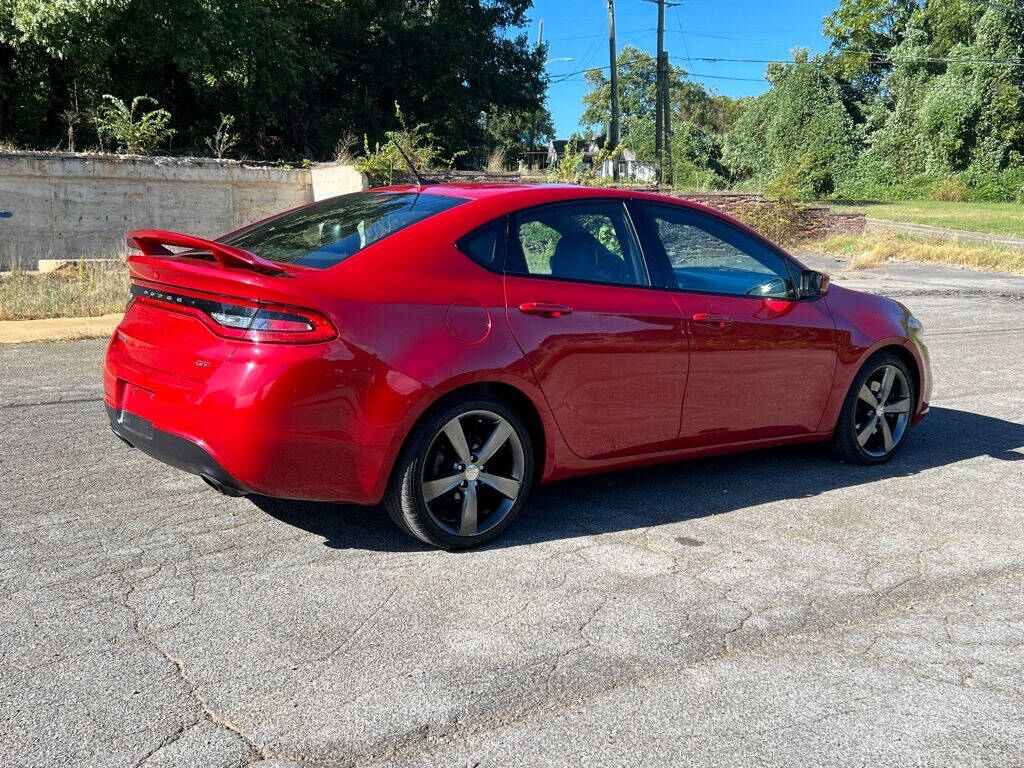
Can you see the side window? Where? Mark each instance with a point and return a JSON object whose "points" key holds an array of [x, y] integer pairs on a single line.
{"points": [[591, 242], [707, 255], [486, 245]]}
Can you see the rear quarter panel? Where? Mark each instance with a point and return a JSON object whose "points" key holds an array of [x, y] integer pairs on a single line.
{"points": [[423, 308]]}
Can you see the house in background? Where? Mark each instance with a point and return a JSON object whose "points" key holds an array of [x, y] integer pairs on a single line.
{"points": [[629, 168], [627, 165]]}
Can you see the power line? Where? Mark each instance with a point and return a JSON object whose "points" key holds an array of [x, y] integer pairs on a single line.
{"points": [[599, 34], [726, 77], [880, 54], [575, 76], [682, 36], [935, 59]]}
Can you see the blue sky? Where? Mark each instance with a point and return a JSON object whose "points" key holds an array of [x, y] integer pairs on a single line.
{"points": [[735, 29]]}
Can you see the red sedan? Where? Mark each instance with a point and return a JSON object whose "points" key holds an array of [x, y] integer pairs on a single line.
{"points": [[444, 348]]}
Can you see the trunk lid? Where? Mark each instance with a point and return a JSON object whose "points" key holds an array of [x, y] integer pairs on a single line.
{"points": [[167, 326], [161, 329]]}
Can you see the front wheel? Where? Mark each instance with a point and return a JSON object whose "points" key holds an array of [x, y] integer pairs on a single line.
{"points": [[463, 475], [877, 412]]}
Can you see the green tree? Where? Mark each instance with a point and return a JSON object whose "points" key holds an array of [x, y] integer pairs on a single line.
{"points": [[952, 103], [799, 134], [973, 114], [865, 32], [515, 131], [637, 76], [690, 103], [297, 74]]}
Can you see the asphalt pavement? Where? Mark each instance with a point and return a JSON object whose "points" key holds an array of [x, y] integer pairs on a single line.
{"points": [[767, 609]]}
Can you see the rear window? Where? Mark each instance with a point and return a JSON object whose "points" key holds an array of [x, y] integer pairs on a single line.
{"points": [[326, 233]]}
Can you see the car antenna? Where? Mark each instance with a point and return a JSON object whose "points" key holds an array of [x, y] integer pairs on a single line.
{"points": [[421, 181]]}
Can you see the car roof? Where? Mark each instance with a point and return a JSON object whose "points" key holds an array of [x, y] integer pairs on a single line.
{"points": [[505, 197], [470, 190], [539, 192]]}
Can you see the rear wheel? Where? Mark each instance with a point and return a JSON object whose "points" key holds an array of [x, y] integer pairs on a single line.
{"points": [[877, 412], [463, 475]]}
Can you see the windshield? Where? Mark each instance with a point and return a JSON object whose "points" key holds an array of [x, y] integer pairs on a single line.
{"points": [[326, 233]]}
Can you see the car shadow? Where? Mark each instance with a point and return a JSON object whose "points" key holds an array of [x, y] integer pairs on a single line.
{"points": [[679, 491]]}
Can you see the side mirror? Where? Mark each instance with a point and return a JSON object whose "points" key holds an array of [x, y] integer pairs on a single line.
{"points": [[813, 284]]}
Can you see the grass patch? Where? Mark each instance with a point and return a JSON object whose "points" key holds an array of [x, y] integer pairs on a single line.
{"points": [[78, 290], [995, 218], [865, 251]]}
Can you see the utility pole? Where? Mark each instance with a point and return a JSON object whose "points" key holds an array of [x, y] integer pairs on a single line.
{"points": [[613, 125], [659, 106], [666, 101], [540, 33]]}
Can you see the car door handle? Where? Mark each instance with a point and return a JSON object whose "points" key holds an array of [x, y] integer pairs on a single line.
{"points": [[712, 320], [544, 310]]}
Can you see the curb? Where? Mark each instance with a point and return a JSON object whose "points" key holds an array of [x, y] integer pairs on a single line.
{"points": [[57, 329]]}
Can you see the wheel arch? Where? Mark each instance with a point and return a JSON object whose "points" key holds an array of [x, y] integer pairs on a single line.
{"points": [[850, 367], [908, 359], [516, 398]]}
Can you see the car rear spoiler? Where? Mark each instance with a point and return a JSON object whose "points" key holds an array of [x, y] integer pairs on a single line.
{"points": [[153, 242]]}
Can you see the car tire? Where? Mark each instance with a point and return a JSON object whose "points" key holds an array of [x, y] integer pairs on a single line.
{"points": [[473, 502], [874, 424]]}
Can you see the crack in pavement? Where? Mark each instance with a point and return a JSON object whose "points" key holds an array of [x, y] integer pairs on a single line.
{"points": [[257, 751], [461, 730], [67, 401]]}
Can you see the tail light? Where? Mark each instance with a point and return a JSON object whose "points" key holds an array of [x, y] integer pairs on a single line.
{"points": [[242, 319]]}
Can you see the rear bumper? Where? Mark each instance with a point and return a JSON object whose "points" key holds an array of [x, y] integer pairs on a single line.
{"points": [[316, 422], [172, 450]]}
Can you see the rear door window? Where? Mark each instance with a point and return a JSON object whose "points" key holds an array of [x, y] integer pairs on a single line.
{"points": [[328, 232], [589, 241]]}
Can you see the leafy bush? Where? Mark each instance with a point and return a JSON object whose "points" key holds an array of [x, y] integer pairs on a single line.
{"points": [[779, 220], [136, 135], [382, 160], [573, 168], [570, 167], [951, 190], [995, 187], [223, 141], [971, 186], [697, 158]]}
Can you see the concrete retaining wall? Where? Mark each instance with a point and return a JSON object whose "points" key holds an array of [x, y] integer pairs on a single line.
{"points": [[68, 206]]}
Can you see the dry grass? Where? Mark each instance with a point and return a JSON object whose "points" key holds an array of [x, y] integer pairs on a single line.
{"points": [[497, 161], [866, 251], [80, 290]]}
